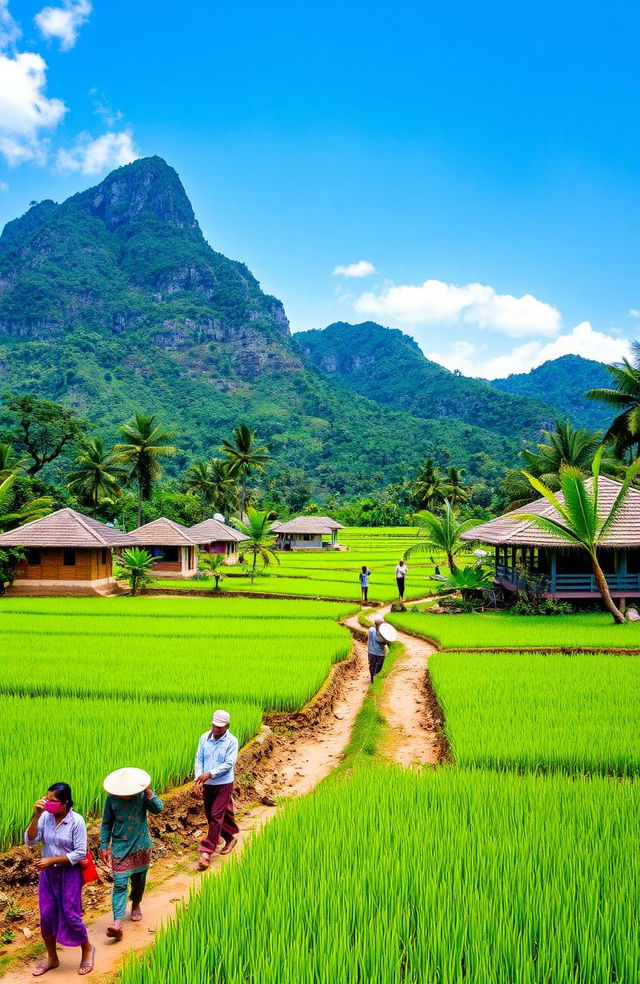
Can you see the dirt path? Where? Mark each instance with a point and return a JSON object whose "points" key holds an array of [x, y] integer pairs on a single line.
{"points": [[300, 758], [410, 708]]}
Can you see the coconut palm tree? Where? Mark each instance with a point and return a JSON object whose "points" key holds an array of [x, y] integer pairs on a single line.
{"points": [[213, 484], [97, 473], [580, 522], [144, 446], [260, 539], [454, 488], [427, 489], [440, 533], [25, 513], [625, 398], [136, 566], [245, 457], [564, 446], [9, 461]]}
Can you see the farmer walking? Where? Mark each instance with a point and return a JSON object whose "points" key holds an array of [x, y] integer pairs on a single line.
{"points": [[125, 841], [364, 582], [215, 758], [401, 572], [63, 835], [376, 647]]}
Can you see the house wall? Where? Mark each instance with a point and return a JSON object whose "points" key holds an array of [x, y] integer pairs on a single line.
{"points": [[299, 541], [90, 567], [184, 567]]}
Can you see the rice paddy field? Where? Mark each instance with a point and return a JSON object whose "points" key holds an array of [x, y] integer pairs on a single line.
{"points": [[134, 681], [334, 573]]}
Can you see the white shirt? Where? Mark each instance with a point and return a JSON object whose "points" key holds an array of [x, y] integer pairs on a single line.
{"points": [[401, 570], [67, 837]]}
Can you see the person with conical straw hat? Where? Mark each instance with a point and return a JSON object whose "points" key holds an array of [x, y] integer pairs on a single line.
{"points": [[125, 841]]}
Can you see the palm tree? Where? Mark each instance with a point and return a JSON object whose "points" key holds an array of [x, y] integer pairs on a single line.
{"points": [[245, 457], [427, 489], [564, 446], [97, 473], [625, 429], [145, 445], [136, 566], [25, 513], [454, 488], [580, 522], [9, 461], [260, 538], [440, 533], [213, 484]]}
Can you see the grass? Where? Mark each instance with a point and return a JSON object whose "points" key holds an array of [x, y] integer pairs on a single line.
{"points": [[541, 711], [502, 630], [52, 739], [496, 878]]}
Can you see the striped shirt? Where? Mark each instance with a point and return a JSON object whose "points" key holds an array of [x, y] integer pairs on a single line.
{"points": [[68, 837]]}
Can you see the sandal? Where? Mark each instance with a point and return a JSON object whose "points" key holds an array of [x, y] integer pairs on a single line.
{"points": [[86, 966], [43, 969], [205, 861], [136, 915]]}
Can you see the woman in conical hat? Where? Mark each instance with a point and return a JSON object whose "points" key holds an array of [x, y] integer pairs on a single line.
{"points": [[125, 841]]}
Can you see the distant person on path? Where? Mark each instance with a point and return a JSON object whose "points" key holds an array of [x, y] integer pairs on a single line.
{"points": [[125, 841], [376, 647], [401, 571], [364, 582], [63, 834], [215, 758]]}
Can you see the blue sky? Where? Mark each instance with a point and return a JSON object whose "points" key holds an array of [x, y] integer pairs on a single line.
{"points": [[476, 164]]}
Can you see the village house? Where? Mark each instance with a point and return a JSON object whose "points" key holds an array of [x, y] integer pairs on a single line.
{"points": [[174, 546], [220, 538], [524, 552], [307, 533], [66, 553]]}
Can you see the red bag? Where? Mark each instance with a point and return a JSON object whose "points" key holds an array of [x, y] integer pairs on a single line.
{"points": [[88, 869]]}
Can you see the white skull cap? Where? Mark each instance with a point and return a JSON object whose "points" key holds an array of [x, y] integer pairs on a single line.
{"points": [[221, 719], [378, 618]]}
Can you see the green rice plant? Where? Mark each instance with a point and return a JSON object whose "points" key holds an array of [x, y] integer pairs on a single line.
{"points": [[540, 711], [446, 877], [503, 630], [52, 739]]}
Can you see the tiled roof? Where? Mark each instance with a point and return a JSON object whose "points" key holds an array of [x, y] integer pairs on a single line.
{"points": [[164, 532], [212, 531], [65, 528], [509, 529], [307, 524]]}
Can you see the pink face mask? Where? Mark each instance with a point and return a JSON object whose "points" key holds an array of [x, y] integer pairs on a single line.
{"points": [[52, 806]]}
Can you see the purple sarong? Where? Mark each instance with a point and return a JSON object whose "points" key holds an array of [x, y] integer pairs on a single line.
{"points": [[60, 892]]}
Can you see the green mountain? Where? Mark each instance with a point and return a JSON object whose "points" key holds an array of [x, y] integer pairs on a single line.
{"points": [[563, 383], [113, 302]]}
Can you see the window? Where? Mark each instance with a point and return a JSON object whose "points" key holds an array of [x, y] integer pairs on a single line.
{"points": [[170, 554], [34, 558], [68, 558]]}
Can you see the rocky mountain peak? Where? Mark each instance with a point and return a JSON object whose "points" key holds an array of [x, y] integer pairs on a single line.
{"points": [[148, 187]]}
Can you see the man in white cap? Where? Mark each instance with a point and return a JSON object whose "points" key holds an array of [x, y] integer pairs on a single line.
{"points": [[376, 646], [215, 759]]}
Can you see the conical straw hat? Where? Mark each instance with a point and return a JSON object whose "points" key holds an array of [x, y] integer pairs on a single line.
{"points": [[127, 781]]}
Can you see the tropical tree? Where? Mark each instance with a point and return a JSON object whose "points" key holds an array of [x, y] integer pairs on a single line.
{"points": [[625, 398], [245, 457], [44, 429], [260, 539], [564, 446], [9, 461], [24, 513], [144, 446], [136, 566], [213, 484], [97, 473], [213, 564], [427, 489], [454, 488], [579, 520], [440, 533], [468, 581]]}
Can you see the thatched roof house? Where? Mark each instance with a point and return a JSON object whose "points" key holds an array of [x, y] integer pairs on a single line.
{"points": [[306, 533], [564, 568], [175, 547], [66, 553], [220, 538]]}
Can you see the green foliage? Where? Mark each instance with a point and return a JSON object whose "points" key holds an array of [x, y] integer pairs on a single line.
{"points": [[136, 565], [43, 429], [260, 540], [440, 533], [97, 473], [469, 581], [144, 447], [9, 565], [625, 398]]}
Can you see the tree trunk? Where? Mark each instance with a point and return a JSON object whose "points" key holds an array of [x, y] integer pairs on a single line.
{"points": [[243, 495], [603, 588], [451, 562], [139, 504]]}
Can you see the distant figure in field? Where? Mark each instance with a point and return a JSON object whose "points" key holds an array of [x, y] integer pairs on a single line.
{"points": [[376, 647], [364, 582], [125, 841], [63, 835], [215, 758], [401, 571]]}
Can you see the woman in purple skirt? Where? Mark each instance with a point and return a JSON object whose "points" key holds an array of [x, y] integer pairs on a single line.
{"points": [[63, 835]]}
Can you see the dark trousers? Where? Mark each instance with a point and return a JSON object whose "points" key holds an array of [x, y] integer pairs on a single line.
{"points": [[218, 806], [400, 583], [375, 664], [365, 592]]}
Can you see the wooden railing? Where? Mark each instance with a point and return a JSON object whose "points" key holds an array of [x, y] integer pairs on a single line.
{"points": [[618, 583]]}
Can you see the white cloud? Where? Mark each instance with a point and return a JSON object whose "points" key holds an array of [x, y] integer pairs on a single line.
{"points": [[634, 313], [25, 110], [4, 186], [363, 268], [581, 340], [9, 30], [438, 303], [93, 156], [63, 22]]}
